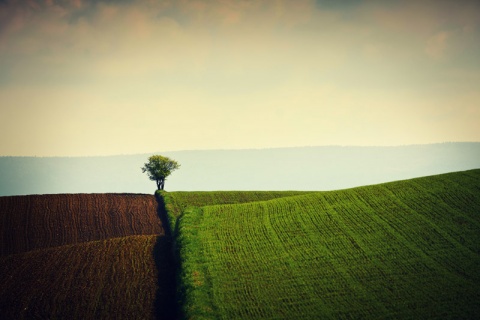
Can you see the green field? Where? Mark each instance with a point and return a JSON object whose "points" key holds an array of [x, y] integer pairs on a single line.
{"points": [[406, 249]]}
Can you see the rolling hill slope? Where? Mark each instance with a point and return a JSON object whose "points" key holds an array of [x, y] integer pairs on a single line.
{"points": [[406, 249]]}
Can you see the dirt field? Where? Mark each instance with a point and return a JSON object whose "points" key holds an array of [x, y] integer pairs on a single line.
{"points": [[44, 221]]}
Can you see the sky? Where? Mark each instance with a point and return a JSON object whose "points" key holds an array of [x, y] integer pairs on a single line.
{"points": [[84, 78]]}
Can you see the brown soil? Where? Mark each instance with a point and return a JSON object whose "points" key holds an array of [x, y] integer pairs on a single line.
{"points": [[118, 278], [44, 221]]}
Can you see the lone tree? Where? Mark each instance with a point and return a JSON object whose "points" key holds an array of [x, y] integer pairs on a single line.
{"points": [[159, 168]]}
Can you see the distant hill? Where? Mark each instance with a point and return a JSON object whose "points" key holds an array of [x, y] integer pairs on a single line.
{"points": [[304, 168]]}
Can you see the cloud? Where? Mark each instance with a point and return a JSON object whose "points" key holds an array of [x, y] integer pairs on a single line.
{"points": [[436, 45], [111, 39]]}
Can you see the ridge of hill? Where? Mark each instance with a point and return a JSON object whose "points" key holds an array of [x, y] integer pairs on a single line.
{"points": [[405, 249]]}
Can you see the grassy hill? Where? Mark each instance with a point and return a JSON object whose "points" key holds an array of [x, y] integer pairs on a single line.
{"points": [[407, 249]]}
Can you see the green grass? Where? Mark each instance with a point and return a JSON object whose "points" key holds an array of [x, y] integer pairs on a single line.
{"points": [[406, 249]]}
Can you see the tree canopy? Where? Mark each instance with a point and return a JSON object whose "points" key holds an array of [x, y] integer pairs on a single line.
{"points": [[159, 168]]}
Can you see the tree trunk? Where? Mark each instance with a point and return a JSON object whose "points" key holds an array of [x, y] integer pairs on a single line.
{"points": [[160, 184]]}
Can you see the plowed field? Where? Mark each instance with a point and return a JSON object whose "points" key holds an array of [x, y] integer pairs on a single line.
{"points": [[44, 221], [108, 279], [85, 256]]}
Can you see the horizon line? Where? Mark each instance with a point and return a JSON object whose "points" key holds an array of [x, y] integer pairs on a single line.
{"points": [[239, 149]]}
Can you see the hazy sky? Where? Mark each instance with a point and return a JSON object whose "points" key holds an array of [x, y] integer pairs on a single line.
{"points": [[120, 77]]}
